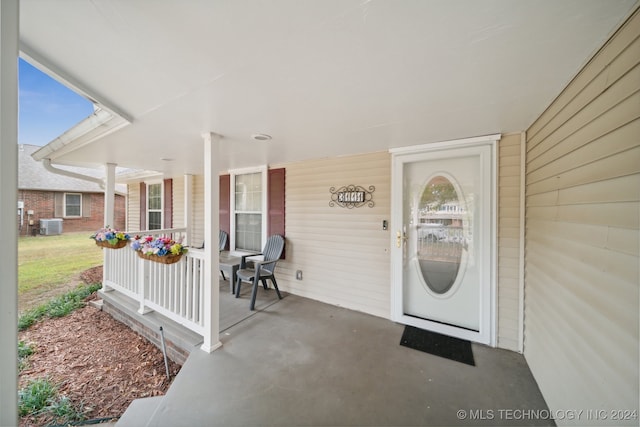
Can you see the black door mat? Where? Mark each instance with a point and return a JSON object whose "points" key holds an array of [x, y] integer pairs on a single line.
{"points": [[438, 345]]}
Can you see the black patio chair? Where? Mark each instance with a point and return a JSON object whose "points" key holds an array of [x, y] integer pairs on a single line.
{"points": [[262, 270]]}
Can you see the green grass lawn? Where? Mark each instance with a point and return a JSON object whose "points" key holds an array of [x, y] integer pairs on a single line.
{"points": [[45, 262]]}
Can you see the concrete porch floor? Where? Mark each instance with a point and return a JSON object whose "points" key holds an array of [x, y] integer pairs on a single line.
{"points": [[299, 362]]}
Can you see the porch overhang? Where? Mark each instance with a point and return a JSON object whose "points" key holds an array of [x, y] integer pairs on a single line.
{"points": [[324, 79]]}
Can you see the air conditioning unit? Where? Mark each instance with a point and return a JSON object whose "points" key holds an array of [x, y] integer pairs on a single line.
{"points": [[50, 227]]}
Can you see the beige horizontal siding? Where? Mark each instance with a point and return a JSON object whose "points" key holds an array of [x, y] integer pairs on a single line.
{"points": [[582, 237], [613, 108], [508, 274], [178, 202], [197, 222], [343, 253], [617, 58], [133, 207]]}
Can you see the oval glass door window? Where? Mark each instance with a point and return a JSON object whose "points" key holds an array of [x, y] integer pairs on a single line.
{"points": [[440, 234]]}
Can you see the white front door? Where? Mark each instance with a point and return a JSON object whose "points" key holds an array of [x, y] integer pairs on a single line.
{"points": [[443, 222]]}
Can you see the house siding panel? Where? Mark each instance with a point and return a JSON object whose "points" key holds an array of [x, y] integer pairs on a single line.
{"points": [[198, 211], [582, 227], [326, 242], [177, 202], [133, 207], [508, 274], [167, 216]]}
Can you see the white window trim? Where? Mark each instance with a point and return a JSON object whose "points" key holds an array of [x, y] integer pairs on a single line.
{"points": [[64, 204], [147, 185], [232, 205]]}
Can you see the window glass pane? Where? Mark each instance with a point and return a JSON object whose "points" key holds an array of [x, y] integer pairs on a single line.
{"points": [[241, 200], [248, 231], [248, 195], [155, 220], [155, 196], [72, 204]]}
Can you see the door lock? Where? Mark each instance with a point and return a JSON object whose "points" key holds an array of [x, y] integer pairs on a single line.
{"points": [[400, 237]]}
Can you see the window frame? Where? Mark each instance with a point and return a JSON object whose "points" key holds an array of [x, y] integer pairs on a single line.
{"points": [[64, 204], [148, 185], [263, 170]]}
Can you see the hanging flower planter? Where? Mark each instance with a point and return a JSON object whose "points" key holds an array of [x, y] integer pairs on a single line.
{"points": [[162, 259], [158, 249], [110, 238], [106, 244]]}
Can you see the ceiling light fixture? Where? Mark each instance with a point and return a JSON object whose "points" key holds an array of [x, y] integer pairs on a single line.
{"points": [[261, 137]]}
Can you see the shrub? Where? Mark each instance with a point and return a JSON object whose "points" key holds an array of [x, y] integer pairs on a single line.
{"points": [[35, 396], [58, 307], [40, 398], [24, 351], [65, 411]]}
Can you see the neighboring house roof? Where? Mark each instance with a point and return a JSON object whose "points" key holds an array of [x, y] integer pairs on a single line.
{"points": [[32, 175]]}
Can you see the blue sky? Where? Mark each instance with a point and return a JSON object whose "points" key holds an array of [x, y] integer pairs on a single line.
{"points": [[46, 108]]}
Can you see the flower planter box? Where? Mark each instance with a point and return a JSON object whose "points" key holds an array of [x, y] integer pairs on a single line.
{"points": [[105, 244], [164, 259]]}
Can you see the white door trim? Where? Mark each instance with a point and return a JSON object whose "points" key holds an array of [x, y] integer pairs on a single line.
{"points": [[488, 330]]}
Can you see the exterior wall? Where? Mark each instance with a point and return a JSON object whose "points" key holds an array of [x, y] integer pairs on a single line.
{"points": [[582, 237], [133, 207], [197, 228], [42, 203], [509, 240], [343, 253], [178, 202]]}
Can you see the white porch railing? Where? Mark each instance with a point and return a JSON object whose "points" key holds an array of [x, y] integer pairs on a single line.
{"points": [[173, 290]]}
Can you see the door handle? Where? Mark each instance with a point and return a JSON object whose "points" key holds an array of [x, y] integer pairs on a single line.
{"points": [[400, 237]]}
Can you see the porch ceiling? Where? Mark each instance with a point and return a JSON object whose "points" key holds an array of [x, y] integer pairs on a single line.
{"points": [[323, 77]]}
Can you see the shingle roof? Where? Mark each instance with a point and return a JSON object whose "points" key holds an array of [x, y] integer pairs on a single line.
{"points": [[32, 175]]}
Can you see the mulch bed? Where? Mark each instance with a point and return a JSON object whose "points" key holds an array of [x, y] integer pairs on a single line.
{"points": [[96, 361]]}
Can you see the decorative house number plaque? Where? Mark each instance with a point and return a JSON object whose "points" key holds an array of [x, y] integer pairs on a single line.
{"points": [[352, 196]]}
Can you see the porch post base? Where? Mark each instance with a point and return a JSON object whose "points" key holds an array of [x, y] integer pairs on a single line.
{"points": [[144, 310], [212, 348], [105, 289]]}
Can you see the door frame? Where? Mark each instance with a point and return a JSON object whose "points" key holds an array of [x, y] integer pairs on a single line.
{"points": [[488, 312]]}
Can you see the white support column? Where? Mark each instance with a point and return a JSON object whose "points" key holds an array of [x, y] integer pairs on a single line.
{"points": [[211, 229], [109, 213], [188, 209], [9, 18], [110, 194]]}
